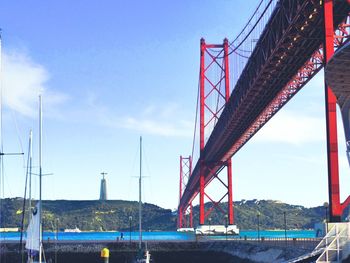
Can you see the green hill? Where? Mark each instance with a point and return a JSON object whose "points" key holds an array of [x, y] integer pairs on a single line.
{"points": [[91, 215], [271, 215], [114, 215]]}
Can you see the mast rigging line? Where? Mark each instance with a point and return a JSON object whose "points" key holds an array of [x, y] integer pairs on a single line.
{"points": [[14, 117], [25, 195]]}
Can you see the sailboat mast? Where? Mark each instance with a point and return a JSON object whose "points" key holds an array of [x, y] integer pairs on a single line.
{"points": [[2, 179], [140, 204], [30, 173], [40, 178]]}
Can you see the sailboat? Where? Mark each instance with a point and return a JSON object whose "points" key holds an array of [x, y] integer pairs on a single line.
{"points": [[28, 174], [143, 256], [34, 243]]}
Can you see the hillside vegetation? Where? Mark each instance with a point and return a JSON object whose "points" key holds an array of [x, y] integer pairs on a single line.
{"points": [[270, 215], [91, 215], [114, 215]]}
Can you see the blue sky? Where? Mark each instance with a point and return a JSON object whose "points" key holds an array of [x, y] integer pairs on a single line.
{"points": [[111, 71]]}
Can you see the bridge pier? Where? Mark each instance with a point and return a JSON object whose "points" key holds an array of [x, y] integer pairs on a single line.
{"points": [[331, 120], [337, 76], [208, 118], [185, 173]]}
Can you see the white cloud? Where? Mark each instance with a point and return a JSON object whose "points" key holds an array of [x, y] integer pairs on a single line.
{"points": [[155, 120], [22, 81], [293, 128], [163, 121], [314, 159], [162, 128]]}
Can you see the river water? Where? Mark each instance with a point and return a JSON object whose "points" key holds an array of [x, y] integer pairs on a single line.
{"points": [[157, 236]]}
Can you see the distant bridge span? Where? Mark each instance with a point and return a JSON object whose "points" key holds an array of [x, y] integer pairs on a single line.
{"points": [[289, 52]]}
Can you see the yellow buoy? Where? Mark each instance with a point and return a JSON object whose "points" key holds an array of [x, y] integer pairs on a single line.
{"points": [[105, 254]]}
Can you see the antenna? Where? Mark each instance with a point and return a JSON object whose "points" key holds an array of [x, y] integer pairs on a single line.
{"points": [[103, 174], [2, 176], [40, 178], [1, 118], [140, 202]]}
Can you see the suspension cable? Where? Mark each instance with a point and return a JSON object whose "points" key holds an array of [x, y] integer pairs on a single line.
{"points": [[251, 18], [195, 120], [251, 30], [234, 49], [240, 55], [242, 50]]}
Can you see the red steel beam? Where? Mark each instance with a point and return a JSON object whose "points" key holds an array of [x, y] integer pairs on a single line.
{"points": [[331, 120], [180, 196], [341, 36], [201, 133], [229, 162], [185, 174]]}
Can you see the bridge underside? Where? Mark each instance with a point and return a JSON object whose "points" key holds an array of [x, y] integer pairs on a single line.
{"points": [[338, 75], [286, 57]]}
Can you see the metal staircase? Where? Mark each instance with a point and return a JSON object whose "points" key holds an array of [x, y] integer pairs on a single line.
{"points": [[335, 244]]}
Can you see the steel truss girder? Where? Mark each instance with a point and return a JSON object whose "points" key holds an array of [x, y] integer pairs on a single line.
{"points": [[304, 74]]}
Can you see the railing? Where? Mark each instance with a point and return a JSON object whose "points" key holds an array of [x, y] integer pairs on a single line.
{"points": [[302, 243]]}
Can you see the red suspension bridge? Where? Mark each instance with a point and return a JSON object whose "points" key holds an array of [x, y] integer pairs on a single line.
{"points": [[283, 46]]}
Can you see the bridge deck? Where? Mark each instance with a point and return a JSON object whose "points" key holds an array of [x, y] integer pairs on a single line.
{"points": [[292, 35]]}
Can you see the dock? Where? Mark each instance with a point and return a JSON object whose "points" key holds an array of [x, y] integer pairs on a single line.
{"points": [[240, 250]]}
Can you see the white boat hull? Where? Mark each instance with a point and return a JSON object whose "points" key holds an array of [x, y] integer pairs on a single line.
{"points": [[217, 230], [186, 229]]}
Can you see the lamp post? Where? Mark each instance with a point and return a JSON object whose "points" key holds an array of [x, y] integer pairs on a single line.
{"points": [[258, 217], [209, 220], [226, 225], [285, 226], [57, 221], [130, 219], [326, 205]]}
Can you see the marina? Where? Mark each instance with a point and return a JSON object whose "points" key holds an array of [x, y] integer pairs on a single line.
{"points": [[276, 250]]}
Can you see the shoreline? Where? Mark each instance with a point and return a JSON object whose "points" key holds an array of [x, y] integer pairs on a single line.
{"points": [[201, 251], [154, 231]]}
